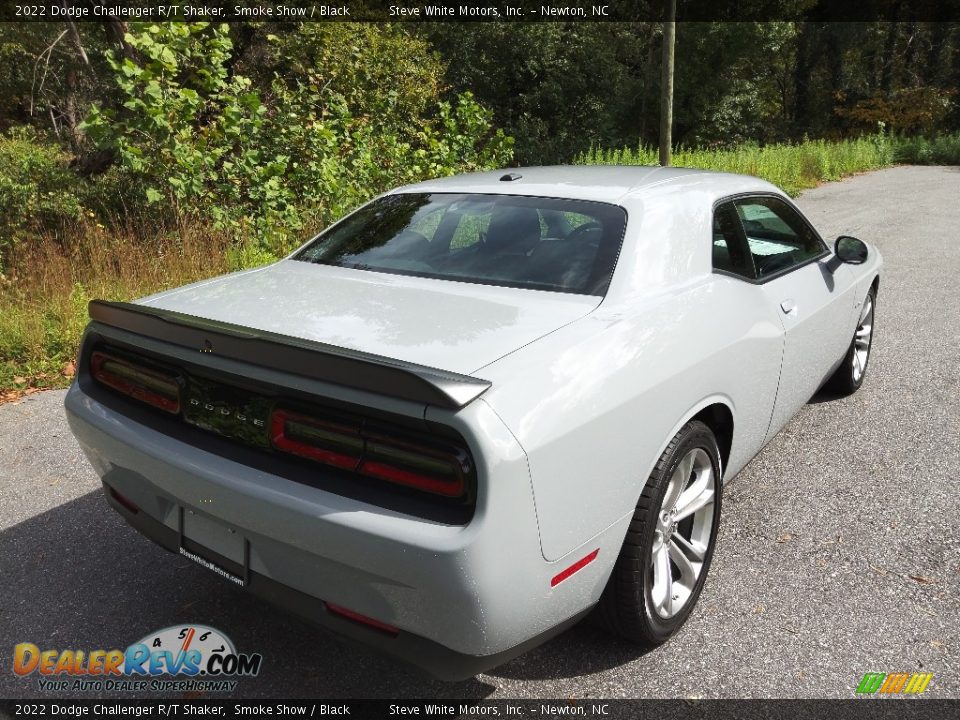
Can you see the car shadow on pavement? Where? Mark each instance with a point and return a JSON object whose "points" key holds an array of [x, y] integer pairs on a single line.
{"points": [[582, 650], [79, 577], [825, 395]]}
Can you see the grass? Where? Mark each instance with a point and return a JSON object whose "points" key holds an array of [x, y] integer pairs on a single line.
{"points": [[44, 295], [793, 167], [799, 166], [48, 282]]}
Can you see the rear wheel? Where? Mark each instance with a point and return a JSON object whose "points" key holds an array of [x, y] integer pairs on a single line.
{"points": [[849, 376], [662, 566]]}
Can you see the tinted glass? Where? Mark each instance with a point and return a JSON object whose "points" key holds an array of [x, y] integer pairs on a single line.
{"points": [[728, 247], [538, 243], [777, 236]]}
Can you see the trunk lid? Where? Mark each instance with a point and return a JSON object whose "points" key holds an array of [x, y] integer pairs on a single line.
{"points": [[456, 326]]}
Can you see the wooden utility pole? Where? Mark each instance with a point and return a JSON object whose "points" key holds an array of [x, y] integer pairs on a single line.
{"points": [[666, 83]]}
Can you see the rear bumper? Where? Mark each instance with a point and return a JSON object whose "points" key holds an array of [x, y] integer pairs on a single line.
{"points": [[464, 597], [438, 660]]}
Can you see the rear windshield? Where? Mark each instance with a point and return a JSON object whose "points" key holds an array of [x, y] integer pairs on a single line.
{"points": [[526, 242]]}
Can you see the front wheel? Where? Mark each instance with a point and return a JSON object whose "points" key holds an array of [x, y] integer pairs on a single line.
{"points": [[662, 566], [849, 376]]}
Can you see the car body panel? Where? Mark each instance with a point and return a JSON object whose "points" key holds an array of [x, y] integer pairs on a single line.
{"points": [[455, 326], [598, 425], [816, 305]]}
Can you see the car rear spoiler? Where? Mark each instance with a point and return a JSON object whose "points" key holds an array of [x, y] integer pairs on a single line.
{"points": [[307, 358]]}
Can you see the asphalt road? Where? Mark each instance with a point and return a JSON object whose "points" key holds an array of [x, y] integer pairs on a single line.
{"points": [[839, 551]]}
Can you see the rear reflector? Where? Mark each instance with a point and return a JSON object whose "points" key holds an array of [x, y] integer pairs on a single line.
{"points": [[576, 567], [362, 619], [154, 387], [125, 501]]}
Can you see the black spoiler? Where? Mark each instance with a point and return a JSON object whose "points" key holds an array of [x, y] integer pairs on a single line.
{"points": [[307, 358]]}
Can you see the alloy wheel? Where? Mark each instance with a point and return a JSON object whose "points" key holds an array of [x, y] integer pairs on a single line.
{"points": [[862, 340], [682, 532]]}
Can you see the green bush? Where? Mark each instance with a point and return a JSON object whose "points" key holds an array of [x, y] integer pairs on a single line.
{"points": [[206, 143], [943, 150], [38, 190]]}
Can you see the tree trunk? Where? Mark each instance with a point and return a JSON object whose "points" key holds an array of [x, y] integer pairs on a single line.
{"points": [[666, 85], [801, 74], [889, 56], [116, 32]]}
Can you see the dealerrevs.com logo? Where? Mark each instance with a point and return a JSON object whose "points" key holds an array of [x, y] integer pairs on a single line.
{"points": [[197, 657]]}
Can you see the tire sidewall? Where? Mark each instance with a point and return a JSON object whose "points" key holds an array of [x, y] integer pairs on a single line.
{"points": [[694, 435]]}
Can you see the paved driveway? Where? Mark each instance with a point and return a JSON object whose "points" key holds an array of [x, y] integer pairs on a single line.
{"points": [[839, 551]]}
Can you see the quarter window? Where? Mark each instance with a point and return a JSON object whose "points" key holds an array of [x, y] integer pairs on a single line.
{"points": [[729, 251], [777, 237]]}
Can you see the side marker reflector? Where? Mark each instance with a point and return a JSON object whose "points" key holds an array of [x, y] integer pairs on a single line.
{"points": [[576, 567]]}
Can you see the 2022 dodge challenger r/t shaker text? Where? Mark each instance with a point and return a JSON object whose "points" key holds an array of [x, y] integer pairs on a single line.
{"points": [[478, 408]]}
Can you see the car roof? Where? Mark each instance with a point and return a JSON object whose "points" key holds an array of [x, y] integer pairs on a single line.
{"points": [[603, 183]]}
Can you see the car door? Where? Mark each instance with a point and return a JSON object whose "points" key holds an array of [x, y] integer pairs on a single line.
{"points": [[811, 291]]}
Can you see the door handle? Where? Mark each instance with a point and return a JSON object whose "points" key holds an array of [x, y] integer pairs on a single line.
{"points": [[788, 306]]}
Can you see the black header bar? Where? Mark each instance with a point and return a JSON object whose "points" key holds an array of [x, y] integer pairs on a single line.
{"points": [[598, 708], [478, 10]]}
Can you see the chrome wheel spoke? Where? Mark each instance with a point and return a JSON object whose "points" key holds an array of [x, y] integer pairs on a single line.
{"points": [[678, 481], [693, 550], [662, 591], [695, 497], [861, 340], [689, 571]]}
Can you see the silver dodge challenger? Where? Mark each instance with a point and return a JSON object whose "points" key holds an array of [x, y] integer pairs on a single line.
{"points": [[478, 408]]}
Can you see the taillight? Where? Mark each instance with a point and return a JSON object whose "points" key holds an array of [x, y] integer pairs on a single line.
{"points": [[154, 387], [435, 468], [327, 442]]}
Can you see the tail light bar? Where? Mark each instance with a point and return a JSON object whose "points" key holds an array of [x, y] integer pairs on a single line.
{"points": [[440, 469], [148, 385]]}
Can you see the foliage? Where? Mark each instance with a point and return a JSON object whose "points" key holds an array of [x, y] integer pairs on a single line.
{"points": [[908, 111], [38, 192], [187, 126], [942, 150], [209, 145], [792, 167], [556, 87], [560, 88], [46, 288]]}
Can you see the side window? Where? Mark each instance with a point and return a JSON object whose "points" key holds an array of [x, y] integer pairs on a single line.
{"points": [[729, 251], [777, 236]]}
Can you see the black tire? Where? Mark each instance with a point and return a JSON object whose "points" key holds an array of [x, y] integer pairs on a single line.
{"points": [[626, 606], [845, 380]]}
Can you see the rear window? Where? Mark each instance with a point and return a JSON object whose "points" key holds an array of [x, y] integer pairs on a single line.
{"points": [[526, 242]]}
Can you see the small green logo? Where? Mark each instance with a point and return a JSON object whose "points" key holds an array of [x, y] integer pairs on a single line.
{"points": [[894, 683]]}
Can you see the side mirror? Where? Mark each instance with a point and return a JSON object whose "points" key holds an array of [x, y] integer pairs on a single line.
{"points": [[850, 250]]}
